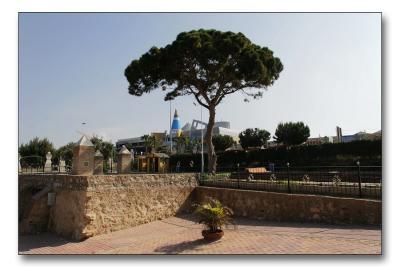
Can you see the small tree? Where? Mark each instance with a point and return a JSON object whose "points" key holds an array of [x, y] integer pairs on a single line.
{"points": [[209, 65], [106, 148], [222, 142], [65, 152], [34, 152], [147, 141], [292, 133], [151, 141], [254, 138]]}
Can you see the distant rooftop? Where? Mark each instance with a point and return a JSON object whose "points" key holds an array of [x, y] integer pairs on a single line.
{"points": [[130, 140]]}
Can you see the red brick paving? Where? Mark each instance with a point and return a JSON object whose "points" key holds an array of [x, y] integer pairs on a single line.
{"points": [[183, 236]]}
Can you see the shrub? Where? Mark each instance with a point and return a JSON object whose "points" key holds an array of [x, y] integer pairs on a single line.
{"points": [[213, 215]]}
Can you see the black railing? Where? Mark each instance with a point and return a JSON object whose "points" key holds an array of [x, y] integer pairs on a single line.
{"points": [[39, 168], [350, 181]]}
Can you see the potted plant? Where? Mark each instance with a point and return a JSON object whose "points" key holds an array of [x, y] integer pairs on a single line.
{"points": [[213, 215]]}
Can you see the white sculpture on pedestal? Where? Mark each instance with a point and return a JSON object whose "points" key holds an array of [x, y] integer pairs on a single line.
{"points": [[61, 165], [47, 165]]}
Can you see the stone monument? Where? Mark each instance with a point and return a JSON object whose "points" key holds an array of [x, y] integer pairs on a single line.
{"points": [[98, 163], [61, 165], [47, 165], [124, 160], [83, 157]]}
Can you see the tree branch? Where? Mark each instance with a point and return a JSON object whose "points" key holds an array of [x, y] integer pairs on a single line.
{"points": [[196, 95]]}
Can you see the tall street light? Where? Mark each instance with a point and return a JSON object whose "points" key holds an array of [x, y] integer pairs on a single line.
{"points": [[202, 150], [202, 137], [170, 127]]}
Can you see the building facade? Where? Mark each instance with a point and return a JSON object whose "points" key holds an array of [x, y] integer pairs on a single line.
{"points": [[192, 132]]}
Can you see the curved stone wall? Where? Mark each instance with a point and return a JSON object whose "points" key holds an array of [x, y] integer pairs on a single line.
{"points": [[96, 204]]}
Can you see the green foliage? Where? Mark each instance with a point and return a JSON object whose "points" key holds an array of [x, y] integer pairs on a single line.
{"points": [[135, 164], [194, 145], [254, 138], [151, 142], [35, 147], [213, 214], [185, 160], [209, 65], [106, 148], [205, 61], [222, 142], [147, 140], [292, 133], [367, 152], [65, 152], [181, 143]]}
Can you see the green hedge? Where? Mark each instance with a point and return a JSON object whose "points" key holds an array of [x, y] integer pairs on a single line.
{"points": [[367, 152]]}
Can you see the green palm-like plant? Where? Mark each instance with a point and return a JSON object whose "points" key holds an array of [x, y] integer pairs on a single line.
{"points": [[214, 215]]}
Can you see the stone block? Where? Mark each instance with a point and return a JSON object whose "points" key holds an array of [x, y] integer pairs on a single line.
{"points": [[124, 160], [83, 157], [98, 163]]}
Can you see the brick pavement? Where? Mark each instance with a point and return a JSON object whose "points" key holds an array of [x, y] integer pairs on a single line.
{"points": [[181, 235]]}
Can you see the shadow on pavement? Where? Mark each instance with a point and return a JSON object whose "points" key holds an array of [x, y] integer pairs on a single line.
{"points": [[181, 247], [29, 242], [239, 222]]}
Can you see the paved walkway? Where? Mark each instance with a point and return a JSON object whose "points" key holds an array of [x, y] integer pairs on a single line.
{"points": [[183, 236]]}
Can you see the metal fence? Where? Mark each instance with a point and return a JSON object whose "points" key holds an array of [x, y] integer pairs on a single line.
{"points": [[350, 181], [39, 168]]}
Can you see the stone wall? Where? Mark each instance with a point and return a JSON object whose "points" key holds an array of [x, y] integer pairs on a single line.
{"points": [[116, 202], [97, 204], [90, 205], [281, 207]]}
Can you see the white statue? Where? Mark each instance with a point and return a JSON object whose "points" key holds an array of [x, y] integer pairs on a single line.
{"points": [[61, 165], [47, 165]]}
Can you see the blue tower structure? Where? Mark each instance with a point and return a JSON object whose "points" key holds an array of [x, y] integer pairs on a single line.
{"points": [[176, 126]]}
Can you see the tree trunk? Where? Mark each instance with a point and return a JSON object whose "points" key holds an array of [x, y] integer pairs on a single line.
{"points": [[212, 157]]}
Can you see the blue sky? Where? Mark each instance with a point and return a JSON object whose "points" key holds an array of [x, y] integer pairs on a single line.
{"points": [[71, 70]]}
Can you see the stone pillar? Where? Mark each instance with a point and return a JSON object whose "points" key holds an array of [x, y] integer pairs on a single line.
{"points": [[83, 157], [47, 165], [124, 160], [19, 163], [61, 165], [98, 163]]}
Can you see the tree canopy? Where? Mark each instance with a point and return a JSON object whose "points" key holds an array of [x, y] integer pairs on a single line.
{"points": [[106, 148], [206, 63], [222, 142], [292, 133], [209, 65], [34, 152], [65, 152], [152, 142], [254, 138]]}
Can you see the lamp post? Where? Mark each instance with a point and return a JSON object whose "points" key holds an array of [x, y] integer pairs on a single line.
{"points": [[202, 150], [170, 127]]}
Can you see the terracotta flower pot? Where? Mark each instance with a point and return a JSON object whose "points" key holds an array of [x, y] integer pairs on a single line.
{"points": [[212, 236]]}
